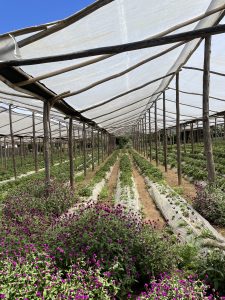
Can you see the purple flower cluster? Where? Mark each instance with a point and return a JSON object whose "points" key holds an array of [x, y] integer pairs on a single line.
{"points": [[176, 286], [210, 203], [36, 276]]}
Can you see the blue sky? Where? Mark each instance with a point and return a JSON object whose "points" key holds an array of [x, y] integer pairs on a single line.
{"points": [[16, 14]]}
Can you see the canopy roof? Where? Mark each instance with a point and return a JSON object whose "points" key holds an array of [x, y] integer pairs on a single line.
{"points": [[114, 91]]}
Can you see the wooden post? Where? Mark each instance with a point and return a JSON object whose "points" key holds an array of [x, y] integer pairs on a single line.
{"points": [[98, 147], [70, 144], [192, 137], [206, 125], [51, 144], [35, 144], [84, 150], [178, 131], [60, 142], [145, 137], [139, 138], [164, 132], [92, 149], [224, 126], [5, 154], [1, 152], [150, 134], [215, 135], [184, 138], [21, 152], [171, 140], [12, 141], [156, 136], [46, 111], [74, 142], [102, 145], [197, 133]]}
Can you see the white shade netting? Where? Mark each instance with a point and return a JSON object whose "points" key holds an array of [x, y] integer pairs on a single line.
{"points": [[119, 22]]}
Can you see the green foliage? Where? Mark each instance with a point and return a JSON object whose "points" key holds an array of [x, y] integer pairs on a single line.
{"points": [[125, 171], [100, 174], [179, 190], [122, 142], [85, 191], [147, 168], [212, 266], [176, 286], [104, 193], [36, 277], [129, 249]]}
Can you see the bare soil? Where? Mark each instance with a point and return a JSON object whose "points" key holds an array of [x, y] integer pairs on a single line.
{"points": [[111, 184], [151, 213]]}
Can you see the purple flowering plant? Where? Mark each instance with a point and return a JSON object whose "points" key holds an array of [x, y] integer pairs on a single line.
{"points": [[176, 286]]}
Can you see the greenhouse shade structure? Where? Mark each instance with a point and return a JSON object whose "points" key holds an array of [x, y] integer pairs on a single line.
{"points": [[110, 64]]}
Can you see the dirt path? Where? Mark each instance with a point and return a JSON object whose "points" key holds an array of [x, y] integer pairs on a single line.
{"points": [[150, 211], [189, 190], [111, 184]]}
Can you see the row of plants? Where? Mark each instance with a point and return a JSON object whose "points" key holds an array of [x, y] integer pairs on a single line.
{"points": [[26, 164], [99, 252], [209, 198], [209, 201], [193, 164], [126, 192], [86, 190], [146, 168], [125, 171], [59, 173]]}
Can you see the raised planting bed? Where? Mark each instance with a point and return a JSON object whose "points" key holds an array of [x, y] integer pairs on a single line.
{"points": [[92, 190], [126, 193], [185, 222]]}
